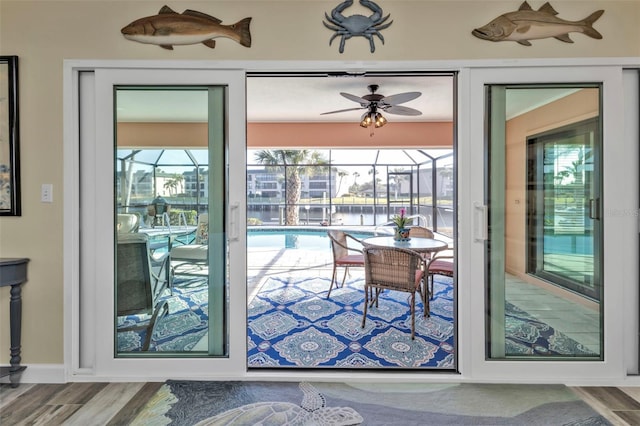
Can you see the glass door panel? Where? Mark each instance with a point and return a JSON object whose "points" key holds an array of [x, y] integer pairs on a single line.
{"points": [[544, 233], [562, 193], [169, 233]]}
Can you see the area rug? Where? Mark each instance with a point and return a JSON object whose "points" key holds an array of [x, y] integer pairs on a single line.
{"points": [[293, 324], [525, 335], [181, 329], [332, 403]]}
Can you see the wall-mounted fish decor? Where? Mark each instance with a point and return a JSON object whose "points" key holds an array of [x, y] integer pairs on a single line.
{"points": [[527, 24], [168, 28], [356, 25]]}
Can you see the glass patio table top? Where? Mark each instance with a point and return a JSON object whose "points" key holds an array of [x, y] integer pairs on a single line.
{"points": [[419, 244]]}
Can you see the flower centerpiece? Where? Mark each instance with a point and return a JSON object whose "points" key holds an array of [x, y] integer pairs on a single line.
{"points": [[401, 231]]}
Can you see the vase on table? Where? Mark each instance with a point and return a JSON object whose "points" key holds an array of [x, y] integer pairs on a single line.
{"points": [[404, 233], [401, 234]]}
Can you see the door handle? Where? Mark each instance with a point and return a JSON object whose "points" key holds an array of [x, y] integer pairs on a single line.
{"points": [[480, 222], [594, 208], [234, 222]]}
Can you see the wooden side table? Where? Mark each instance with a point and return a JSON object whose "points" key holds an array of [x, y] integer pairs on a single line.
{"points": [[13, 272]]}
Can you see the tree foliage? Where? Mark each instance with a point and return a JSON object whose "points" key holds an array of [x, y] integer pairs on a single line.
{"points": [[295, 164]]}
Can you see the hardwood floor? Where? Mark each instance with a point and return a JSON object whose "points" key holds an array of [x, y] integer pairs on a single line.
{"points": [[621, 406], [118, 403]]}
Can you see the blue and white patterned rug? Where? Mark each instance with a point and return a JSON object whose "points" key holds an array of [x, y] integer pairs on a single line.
{"points": [[293, 324], [181, 329], [527, 336]]}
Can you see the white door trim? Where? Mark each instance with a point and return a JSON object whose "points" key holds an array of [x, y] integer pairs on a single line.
{"points": [[471, 361]]}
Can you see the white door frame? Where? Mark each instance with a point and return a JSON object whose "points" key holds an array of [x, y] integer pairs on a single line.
{"points": [[93, 354], [617, 265], [470, 344]]}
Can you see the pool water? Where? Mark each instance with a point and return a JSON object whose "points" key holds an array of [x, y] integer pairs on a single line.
{"points": [[302, 239]]}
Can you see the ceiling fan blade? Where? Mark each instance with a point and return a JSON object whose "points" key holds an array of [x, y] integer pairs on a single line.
{"points": [[402, 110], [342, 110], [401, 98], [354, 98]]}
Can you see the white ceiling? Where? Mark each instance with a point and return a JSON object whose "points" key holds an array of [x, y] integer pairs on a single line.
{"points": [[304, 99], [294, 99]]}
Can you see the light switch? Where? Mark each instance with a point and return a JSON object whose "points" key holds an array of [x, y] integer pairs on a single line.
{"points": [[46, 193]]}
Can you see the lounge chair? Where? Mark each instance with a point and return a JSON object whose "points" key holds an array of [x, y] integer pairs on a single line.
{"points": [[196, 253]]}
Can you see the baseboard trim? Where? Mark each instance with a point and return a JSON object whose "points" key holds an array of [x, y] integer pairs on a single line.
{"points": [[40, 373]]}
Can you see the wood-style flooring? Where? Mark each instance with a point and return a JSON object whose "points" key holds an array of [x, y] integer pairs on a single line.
{"points": [[93, 404]]}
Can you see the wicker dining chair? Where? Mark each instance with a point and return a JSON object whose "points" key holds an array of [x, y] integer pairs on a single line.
{"points": [[344, 256], [391, 268], [438, 265], [420, 231]]}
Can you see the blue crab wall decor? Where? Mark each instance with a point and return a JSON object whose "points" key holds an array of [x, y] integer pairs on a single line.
{"points": [[346, 27]]}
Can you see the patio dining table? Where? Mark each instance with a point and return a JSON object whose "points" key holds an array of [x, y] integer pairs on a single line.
{"points": [[419, 244]]}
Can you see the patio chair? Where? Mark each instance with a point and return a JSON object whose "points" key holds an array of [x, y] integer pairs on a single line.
{"points": [[392, 268], [197, 252], [344, 256], [138, 285], [439, 265], [420, 231], [127, 222]]}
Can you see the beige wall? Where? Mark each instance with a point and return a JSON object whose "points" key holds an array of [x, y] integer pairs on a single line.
{"points": [[572, 109], [45, 33]]}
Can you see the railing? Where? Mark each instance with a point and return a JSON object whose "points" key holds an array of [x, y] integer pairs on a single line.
{"points": [[166, 224], [182, 218]]}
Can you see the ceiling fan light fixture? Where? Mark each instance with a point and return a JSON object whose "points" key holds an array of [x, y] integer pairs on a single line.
{"points": [[373, 102], [379, 120], [367, 119]]}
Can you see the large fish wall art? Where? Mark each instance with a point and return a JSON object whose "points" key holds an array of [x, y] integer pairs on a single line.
{"points": [[346, 27], [168, 28], [527, 24]]}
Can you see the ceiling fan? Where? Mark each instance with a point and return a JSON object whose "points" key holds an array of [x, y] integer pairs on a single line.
{"points": [[374, 103]]}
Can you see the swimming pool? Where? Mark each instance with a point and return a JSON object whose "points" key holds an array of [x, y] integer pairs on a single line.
{"points": [[294, 238]]}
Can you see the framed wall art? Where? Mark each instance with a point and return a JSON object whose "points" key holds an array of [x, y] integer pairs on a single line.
{"points": [[9, 138]]}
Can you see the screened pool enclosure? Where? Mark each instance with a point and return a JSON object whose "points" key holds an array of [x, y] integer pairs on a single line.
{"points": [[335, 186]]}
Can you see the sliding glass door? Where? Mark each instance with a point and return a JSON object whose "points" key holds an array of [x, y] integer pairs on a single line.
{"points": [[545, 171], [161, 222], [544, 227], [170, 270], [563, 195]]}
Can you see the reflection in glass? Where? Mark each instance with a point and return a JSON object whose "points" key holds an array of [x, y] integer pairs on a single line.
{"points": [[562, 192], [543, 253], [163, 196]]}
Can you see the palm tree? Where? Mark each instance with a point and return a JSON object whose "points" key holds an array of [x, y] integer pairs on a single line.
{"points": [[341, 174], [354, 188], [295, 163], [174, 182]]}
